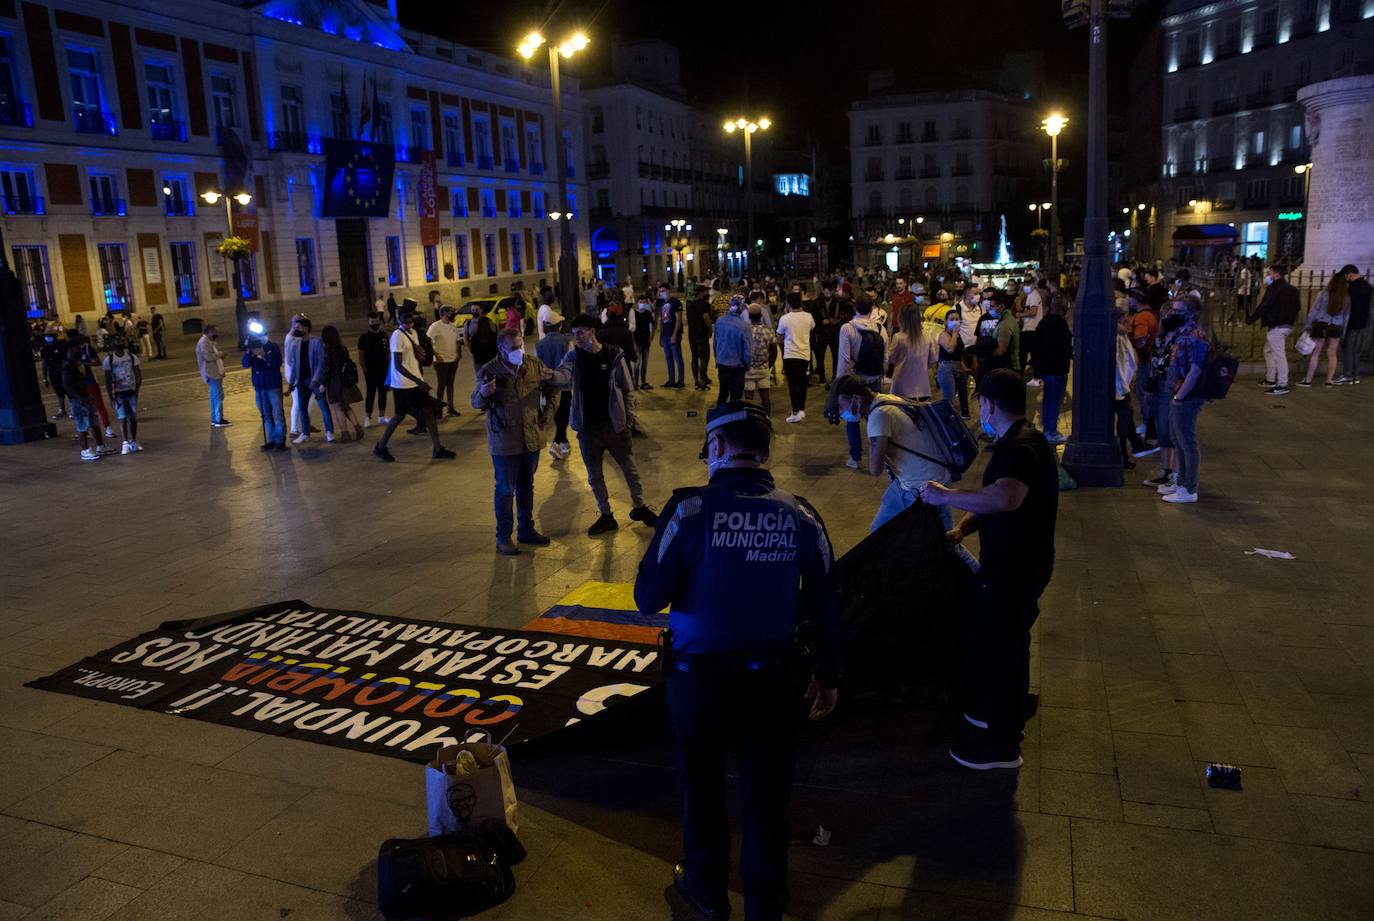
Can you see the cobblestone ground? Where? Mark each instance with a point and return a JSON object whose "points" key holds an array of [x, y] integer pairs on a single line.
{"points": [[1162, 646]]}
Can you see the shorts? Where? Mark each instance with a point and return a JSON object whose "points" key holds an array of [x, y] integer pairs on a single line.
{"points": [[126, 404], [1321, 331], [756, 379], [81, 413], [409, 401]]}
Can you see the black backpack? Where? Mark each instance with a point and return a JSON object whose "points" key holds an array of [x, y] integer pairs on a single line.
{"points": [[463, 873], [1218, 373], [872, 355], [947, 430], [348, 372]]}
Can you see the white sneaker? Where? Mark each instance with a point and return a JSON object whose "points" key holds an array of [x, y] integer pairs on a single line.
{"points": [[109, 432], [383, 420], [852, 464], [367, 422], [136, 446], [1168, 489], [300, 439], [795, 417], [1140, 429], [1056, 438], [565, 448], [1035, 382], [88, 455], [801, 415], [126, 448], [1181, 496], [554, 452], [329, 437]]}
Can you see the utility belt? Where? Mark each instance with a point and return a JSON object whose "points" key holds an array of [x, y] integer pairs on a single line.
{"points": [[789, 657]]}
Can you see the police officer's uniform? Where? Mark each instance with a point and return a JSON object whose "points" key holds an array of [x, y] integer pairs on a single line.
{"points": [[742, 564]]}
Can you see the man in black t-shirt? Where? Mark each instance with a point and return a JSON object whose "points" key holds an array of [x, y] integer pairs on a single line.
{"points": [[699, 319], [1014, 515], [374, 357]]}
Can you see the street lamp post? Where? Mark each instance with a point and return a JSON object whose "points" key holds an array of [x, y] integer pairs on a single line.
{"points": [[211, 197], [1092, 455], [679, 244], [1053, 125], [748, 127], [1305, 171], [567, 254]]}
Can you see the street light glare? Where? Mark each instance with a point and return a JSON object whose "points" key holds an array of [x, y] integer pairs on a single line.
{"points": [[1054, 124], [1300, 168], [1140, 207], [243, 198], [729, 127], [211, 197], [920, 220], [722, 230], [1033, 206], [1046, 205], [1192, 202], [765, 123]]}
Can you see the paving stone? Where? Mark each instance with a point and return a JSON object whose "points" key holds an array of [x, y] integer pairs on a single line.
{"points": [[1278, 698], [151, 733], [330, 768], [1163, 874], [1312, 761], [1338, 823], [164, 805], [1074, 793], [201, 892], [1331, 671], [906, 905], [30, 761], [1156, 769], [89, 900], [1072, 683], [1143, 705], [1076, 740], [1261, 809], [1223, 732], [1163, 816], [1197, 677], [1186, 633], [41, 861]]}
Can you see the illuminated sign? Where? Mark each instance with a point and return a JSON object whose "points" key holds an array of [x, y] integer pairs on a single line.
{"points": [[1290, 215]]}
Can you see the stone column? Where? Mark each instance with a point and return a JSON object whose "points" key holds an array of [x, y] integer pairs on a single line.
{"points": [[1340, 195]]}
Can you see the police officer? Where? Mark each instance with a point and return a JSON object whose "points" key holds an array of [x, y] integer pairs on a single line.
{"points": [[742, 565]]}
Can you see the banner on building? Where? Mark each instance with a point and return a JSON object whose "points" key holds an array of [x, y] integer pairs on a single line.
{"points": [[358, 178], [429, 200], [387, 685], [246, 226]]}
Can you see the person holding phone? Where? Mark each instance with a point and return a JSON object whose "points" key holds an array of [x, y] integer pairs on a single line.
{"points": [[409, 391]]}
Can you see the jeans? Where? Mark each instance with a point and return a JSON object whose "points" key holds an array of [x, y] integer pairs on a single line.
{"points": [[1125, 427], [856, 445], [822, 344], [953, 380], [796, 371], [731, 383], [701, 360], [273, 419], [641, 368], [1352, 346], [897, 499], [303, 396], [444, 372], [161, 348], [1187, 457], [1276, 354], [594, 441], [672, 354], [1161, 408], [708, 722], [560, 418], [514, 480], [1005, 607], [376, 390], [1051, 399], [216, 400]]}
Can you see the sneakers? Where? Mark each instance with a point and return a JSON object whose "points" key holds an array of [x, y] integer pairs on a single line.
{"points": [[1160, 479], [380, 451], [300, 439], [126, 448], [602, 525], [1277, 391], [646, 386], [506, 548], [644, 515], [1268, 383], [109, 432], [383, 420], [89, 455], [1181, 496], [534, 539], [1339, 379], [106, 449], [986, 756], [56, 416], [442, 453], [221, 424], [1168, 489], [1035, 382], [565, 449], [136, 446], [329, 437], [974, 721], [796, 417], [1056, 438], [1304, 383], [852, 464], [1145, 450], [1332, 383], [554, 453]]}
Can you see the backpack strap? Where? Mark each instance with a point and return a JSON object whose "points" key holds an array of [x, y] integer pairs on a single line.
{"points": [[915, 416]]}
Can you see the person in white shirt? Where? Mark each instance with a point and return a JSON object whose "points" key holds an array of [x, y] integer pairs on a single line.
{"points": [[795, 329], [863, 353], [211, 363], [447, 341], [970, 310], [549, 316], [1032, 312], [409, 390]]}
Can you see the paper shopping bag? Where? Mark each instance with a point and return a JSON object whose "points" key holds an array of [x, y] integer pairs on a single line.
{"points": [[467, 785]]}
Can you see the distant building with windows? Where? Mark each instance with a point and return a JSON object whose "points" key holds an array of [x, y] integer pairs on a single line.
{"points": [[946, 164], [1231, 130], [116, 117]]}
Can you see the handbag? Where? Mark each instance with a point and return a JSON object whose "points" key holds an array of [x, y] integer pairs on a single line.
{"points": [[1305, 345], [463, 873], [467, 785]]}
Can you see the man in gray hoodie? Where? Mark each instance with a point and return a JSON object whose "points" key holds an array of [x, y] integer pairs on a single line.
{"points": [[602, 415]]}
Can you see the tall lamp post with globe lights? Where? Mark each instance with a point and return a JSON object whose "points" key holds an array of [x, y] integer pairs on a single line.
{"points": [[1053, 125], [567, 254], [213, 197], [747, 127]]}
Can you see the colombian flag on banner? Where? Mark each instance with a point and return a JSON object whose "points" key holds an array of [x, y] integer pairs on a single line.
{"points": [[604, 611]]}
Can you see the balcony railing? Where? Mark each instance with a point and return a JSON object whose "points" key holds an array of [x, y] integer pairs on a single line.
{"points": [[1225, 106], [928, 137], [1264, 39], [179, 208], [1226, 50], [512, 166], [484, 161], [23, 204], [88, 120], [536, 169], [1294, 155], [963, 135], [873, 175], [1218, 164], [1184, 168], [293, 141], [643, 170], [904, 173], [107, 207], [167, 129], [905, 137], [454, 157], [873, 140], [930, 172], [1185, 113], [962, 170], [600, 170], [16, 115], [1256, 159], [1259, 99]]}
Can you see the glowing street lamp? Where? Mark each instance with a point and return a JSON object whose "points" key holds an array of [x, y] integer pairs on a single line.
{"points": [[213, 197], [1052, 125], [747, 127]]}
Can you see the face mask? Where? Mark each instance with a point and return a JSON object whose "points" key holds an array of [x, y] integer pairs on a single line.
{"points": [[515, 356], [642, 305], [297, 333], [952, 325], [1268, 280], [1173, 321], [988, 429], [214, 337]]}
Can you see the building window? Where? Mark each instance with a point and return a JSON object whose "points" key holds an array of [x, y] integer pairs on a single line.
{"points": [[381, 123], [904, 135], [13, 113], [114, 275], [184, 274], [489, 244], [461, 251], [222, 98], [338, 116], [874, 135], [1257, 193], [568, 154], [488, 202], [539, 252], [176, 198], [961, 196], [515, 254], [875, 202], [18, 191], [928, 132], [105, 200], [431, 263], [1255, 239], [162, 111], [513, 202], [292, 135], [419, 130], [459, 197], [393, 261], [534, 149], [305, 265], [961, 129], [537, 205], [481, 140], [1258, 139], [510, 150], [88, 112], [598, 120], [35, 280], [453, 139]]}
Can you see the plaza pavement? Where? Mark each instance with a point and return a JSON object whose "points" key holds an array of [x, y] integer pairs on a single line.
{"points": [[1162, 647]]}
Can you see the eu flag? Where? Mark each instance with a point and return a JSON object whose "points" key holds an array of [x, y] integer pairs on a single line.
{"points": [[358, 177]]}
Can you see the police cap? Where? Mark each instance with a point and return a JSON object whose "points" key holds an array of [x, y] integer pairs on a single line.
{"points": [[739, 417]]}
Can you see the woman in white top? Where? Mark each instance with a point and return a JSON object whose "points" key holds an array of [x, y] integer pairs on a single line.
{"points": [[911, 353], [795, 329]]}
